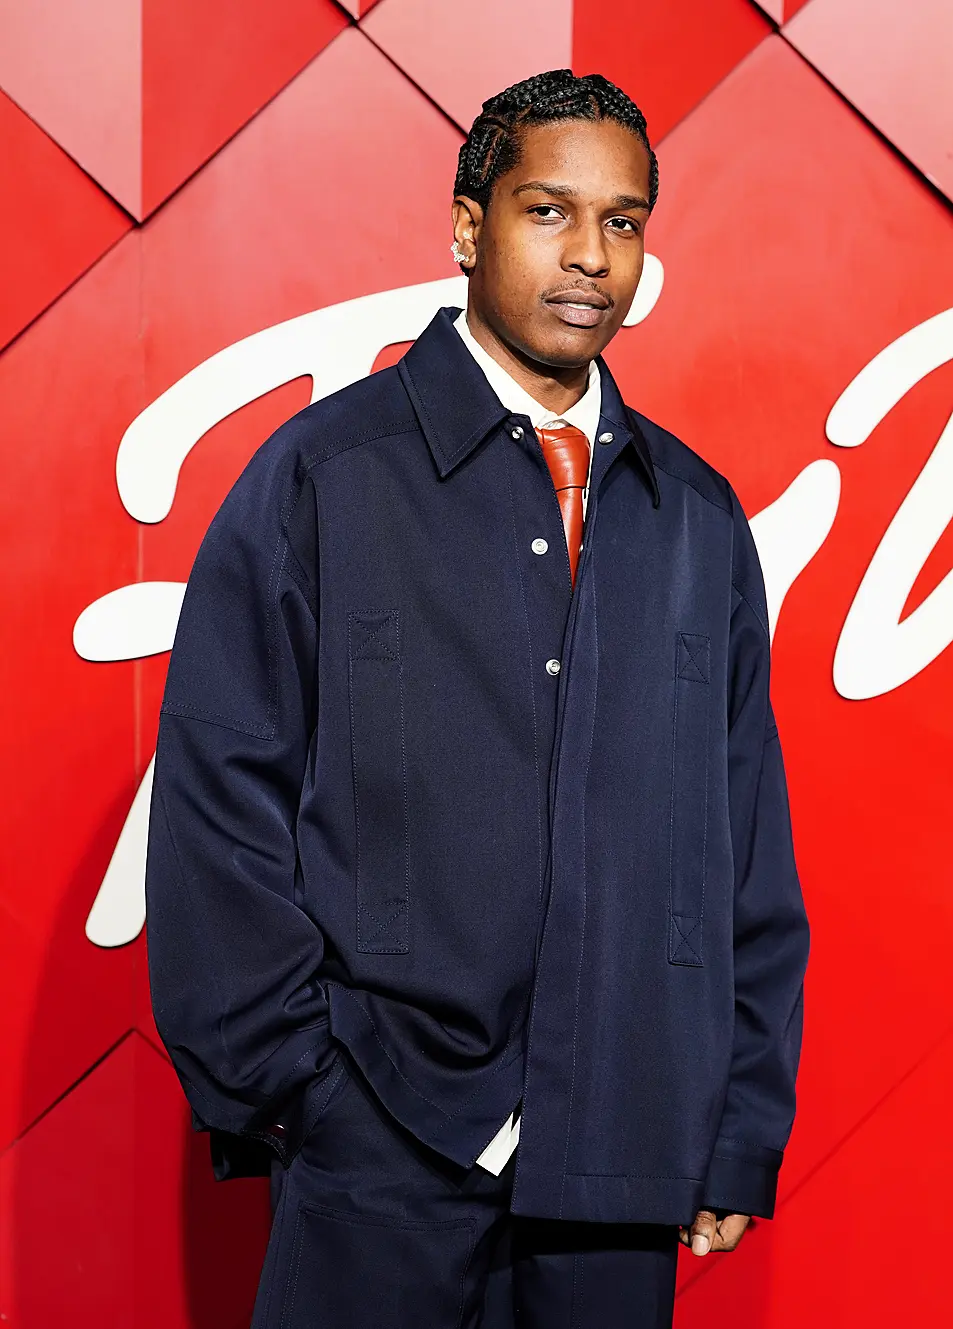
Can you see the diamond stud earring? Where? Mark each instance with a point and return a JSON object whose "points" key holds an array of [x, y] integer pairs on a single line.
{"points": [[455, 251]]}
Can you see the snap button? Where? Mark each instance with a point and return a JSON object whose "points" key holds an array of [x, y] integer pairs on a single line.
{"points": [[552, 666], [540, 545], [517, 432], [277, 1130], [606, 438]]}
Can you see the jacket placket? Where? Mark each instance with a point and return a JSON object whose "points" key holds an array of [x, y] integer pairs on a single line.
{"points": [[554, 1011]]}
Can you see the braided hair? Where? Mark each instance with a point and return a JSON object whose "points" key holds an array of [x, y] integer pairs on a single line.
{"points": [[492, 146]]}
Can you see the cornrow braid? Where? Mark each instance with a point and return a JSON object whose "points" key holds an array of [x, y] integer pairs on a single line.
{"points": [[492, 146]]}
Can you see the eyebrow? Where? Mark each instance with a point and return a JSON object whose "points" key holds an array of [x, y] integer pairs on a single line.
{"points": [[565, 191]]}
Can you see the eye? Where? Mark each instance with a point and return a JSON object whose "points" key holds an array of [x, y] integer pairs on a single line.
{"points": [[636, 226], [545, 207]]}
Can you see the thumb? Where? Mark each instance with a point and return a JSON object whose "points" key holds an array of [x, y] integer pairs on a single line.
{"points": [[703, 1232]]}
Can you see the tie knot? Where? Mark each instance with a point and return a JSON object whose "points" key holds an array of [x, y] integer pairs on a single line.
{"points": [[567, 455]]}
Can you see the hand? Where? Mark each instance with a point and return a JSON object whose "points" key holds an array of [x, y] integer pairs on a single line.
{"points": [[715, 1230]]}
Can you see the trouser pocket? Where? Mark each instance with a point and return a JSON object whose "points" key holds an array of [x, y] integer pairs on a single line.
{"points": [[363, 1270]]}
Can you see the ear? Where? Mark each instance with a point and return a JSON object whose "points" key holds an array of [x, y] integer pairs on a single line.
{"points": [[467, 222]]}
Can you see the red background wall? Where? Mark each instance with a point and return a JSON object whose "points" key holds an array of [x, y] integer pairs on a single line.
{"points": [[178, 176]]}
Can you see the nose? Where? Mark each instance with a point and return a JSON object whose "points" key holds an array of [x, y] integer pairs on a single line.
{"points": [[586, 250]]}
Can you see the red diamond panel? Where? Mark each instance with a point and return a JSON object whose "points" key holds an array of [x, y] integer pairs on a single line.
{"points": [[461, 56], [54, 222], [68, 765], [142, 92], [781, 10], [666, 54], [111, 1196], [895, 63], [77, 71], [208, 66]]}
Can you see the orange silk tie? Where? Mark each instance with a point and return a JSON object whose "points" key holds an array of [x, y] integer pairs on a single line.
{"points": [[567, 455]]}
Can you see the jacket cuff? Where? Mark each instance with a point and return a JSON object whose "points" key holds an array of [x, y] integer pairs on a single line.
{"points": [[742, 1178], [273, 1132]]}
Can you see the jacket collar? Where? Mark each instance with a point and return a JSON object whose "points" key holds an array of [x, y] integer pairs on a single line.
{"points": [[457, 408]]}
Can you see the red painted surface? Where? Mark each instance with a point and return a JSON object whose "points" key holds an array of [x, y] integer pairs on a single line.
{"points": [[76, 69], [895, 63], [460, 56], [208, 66], [666, 54], [55, 221], [142, 92], [781, 10], [358, 8], [68, 387], [119, 1220], [796, 244]]}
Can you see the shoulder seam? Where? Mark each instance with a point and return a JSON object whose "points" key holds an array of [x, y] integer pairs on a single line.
{"points": [[676, 475], [391, 431]]}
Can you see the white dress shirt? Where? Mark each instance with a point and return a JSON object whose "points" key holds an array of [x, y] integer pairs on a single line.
{"points": [[585, 416]]}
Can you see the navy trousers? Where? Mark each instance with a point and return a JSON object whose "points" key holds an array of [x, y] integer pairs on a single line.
{"points": [[373, 1230]]}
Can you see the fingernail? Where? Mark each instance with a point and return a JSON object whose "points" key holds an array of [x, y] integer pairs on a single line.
{"points": [[700, 1244]]}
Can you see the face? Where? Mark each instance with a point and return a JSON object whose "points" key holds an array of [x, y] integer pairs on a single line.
{"points": [[560, 247]]}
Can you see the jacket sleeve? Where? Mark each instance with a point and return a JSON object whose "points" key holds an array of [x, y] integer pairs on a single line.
{"points": [[233, 959], [771, 932]]}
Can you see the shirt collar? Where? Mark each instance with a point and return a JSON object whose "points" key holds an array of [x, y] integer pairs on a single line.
{"points": [[584, 414], [456, 408]]}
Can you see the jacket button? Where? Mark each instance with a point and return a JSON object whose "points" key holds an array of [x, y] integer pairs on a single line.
{"points": [[606, 438], [517, 432], [540, 546], [552, 666], [277, 1130]]}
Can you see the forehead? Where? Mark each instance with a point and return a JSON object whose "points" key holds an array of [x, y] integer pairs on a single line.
{"points": [[594, 157]]}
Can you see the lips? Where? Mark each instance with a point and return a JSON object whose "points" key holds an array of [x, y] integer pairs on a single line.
{"points": [[580, 309]]}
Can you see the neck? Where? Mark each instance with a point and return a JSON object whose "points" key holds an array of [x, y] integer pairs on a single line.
{"points": [[554, 387]]}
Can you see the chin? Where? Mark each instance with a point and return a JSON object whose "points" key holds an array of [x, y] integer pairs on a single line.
{"points": [[571, 350]]}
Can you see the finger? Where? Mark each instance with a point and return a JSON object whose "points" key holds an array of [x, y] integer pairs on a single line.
{"points": [[730, 1231], [704, 1231]]}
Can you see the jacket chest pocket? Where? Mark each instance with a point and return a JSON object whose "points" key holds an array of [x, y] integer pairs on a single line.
{"points": [[380, 782], [689, 819]]}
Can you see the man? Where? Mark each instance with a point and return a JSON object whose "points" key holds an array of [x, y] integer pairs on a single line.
{"points": [[469, 799]]}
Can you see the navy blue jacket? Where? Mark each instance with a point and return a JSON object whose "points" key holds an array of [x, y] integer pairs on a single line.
{"points": [[417, 794]]}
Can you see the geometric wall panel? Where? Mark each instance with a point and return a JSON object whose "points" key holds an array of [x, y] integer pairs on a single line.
{"points": [[77, 71], [301, 189], [666, 54], [894, 61], [460, 57], [68, 386], [111, 1195], [358, 8], [54, 222], [67, 1196], [781, 10], [208, 66], [142, 92]]}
